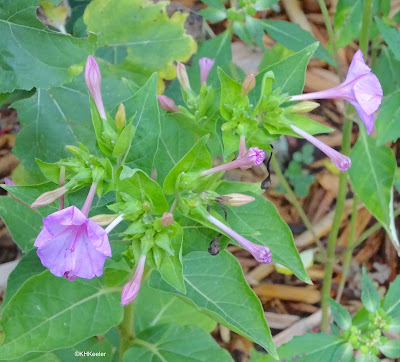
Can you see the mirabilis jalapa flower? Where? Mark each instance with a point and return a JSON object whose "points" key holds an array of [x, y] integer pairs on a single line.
{"points": [[247, 159], [71, 245], [361, 88], [93, 82]]}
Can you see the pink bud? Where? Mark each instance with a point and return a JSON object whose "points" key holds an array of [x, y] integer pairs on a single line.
{"points": [[93, 82], [182, 76], [167, 104], [8, 181], [167, 219], [131, 289], [205, 66]]}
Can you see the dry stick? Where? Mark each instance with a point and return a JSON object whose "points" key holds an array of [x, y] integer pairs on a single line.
{"points": [[346, 145], [293, 199]]}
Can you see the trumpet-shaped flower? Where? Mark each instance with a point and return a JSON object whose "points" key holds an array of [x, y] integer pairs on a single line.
{"points": [[253, 157], [361, 88], [71, 245], [342, 162], [205, 66], [261, 253], [93, 82], [131, 289]]}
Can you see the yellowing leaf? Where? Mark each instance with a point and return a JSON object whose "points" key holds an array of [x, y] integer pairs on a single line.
{"points": [[153, 41]]}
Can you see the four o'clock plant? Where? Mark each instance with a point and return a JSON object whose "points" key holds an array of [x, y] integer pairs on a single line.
{"points": [[151, 216]]}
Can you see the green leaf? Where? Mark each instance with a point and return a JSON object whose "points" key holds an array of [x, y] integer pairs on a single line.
{"points": [[139, 185], [171, 268], [213, 15], [391, 303], [58, 117], [271, 56], [22, 222], [197, 159], [175, 142], [388, 72], [215, 285], [260, 222], [147, 123], [31, 54], [173, 343], [369, 294], [309, 348], [391, 36], [154, 307], [49, 312], [344, 353], [230, 95], [347, 21], [372, 176], [152, 38], [367, 358], [391, 349], [388, 120], [292, 36], [340, 315], [27, 267], [197, 237], [289, 73]]}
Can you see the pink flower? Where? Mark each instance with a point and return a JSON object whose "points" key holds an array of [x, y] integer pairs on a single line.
{"points": [[205, 66], [131, 289], [167, 104], [93, 82], [361, 88], [261, 253], [253, 157], [71, 245], [342, 162]]}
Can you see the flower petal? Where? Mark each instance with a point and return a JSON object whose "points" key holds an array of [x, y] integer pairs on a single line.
{"points": [[368, 92], [357, 67], [368, 119], [98, 237], [57, 222]]}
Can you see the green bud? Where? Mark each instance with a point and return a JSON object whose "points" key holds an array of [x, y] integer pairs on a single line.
{"points": [[120, 117], [374, 350], [353, 340], [364, 349], [146, 243], [381, 312], [303, 107]]}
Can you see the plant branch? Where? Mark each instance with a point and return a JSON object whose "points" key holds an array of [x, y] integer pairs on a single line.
{"points": [[366, 23], [125, 329]]}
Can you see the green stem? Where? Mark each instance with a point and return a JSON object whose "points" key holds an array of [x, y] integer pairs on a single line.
{"points": [[332, 38], [125, 329], [330, 254], [349, 250], [293, 199], [174, 205], [366, 23]]}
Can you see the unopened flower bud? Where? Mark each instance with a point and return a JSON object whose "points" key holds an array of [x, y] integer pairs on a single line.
{"points": [[131, 289], [9, 182], [120, 117], [167, 219], [235, 199], [167, 104], [205, 66], [182, 76], [104, 219], [303, 107], [48, 197], [93, 82], [248, 84]]}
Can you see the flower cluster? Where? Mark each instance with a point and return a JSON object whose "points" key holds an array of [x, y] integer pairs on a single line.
{"points": [[72, 245]]}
